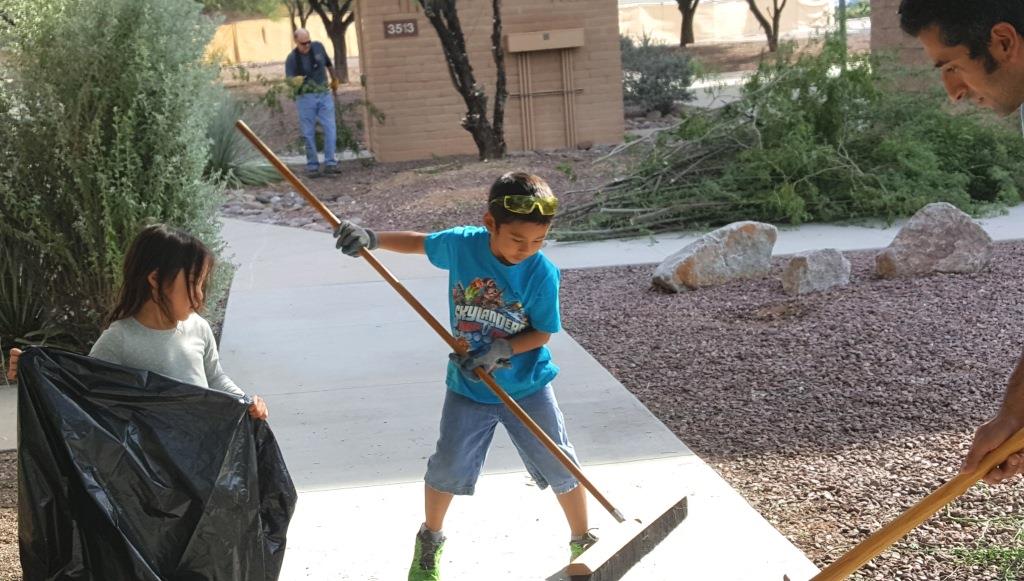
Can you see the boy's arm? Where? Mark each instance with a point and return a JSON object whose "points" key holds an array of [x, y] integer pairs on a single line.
{"points": [[404, 242], [528, 341]]}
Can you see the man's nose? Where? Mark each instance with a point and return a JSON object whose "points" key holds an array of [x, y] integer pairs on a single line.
{"points": [[955, 88]]}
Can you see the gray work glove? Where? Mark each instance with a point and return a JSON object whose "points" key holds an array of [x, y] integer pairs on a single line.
{"points": [[491, 357], [352, 238]]}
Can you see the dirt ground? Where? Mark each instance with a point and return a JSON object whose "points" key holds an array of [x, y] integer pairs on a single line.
{"points": [[744, 56], [833, 412], [10, 568], [423, 195]]}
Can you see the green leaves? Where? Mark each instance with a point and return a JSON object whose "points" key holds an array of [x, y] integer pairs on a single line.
{"points": [[103, 129], [655, 76]]}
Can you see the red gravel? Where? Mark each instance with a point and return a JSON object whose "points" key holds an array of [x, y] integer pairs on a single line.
{"points": [[834, 412]]}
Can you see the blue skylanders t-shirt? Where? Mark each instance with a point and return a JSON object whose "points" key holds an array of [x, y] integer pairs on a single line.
{"points": [[490, 300]]}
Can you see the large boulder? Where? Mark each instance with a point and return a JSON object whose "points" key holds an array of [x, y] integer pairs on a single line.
{"points": [[938, 238], [739, 250], [815, 271]]}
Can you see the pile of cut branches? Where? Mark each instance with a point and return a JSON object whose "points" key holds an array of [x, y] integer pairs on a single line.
{"points": [[814, 137]]}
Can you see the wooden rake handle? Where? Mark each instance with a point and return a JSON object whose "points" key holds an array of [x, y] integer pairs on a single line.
{"points": [[456, 345], [878, 542]]}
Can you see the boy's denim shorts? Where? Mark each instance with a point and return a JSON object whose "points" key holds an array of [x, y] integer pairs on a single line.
{"points": [[466, 431]]}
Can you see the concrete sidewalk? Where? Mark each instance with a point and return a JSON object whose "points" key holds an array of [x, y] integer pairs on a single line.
{"points": [[1009, 226]]}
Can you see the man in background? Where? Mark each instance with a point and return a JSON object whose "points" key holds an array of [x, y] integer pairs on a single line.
{"points": [[307, 69]]}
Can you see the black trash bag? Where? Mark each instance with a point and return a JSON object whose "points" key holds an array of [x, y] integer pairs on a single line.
{"points": [[129, 475]]}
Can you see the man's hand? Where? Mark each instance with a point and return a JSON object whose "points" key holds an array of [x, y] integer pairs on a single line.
{"points": [[989, 437], [497, 354], [334, 85], [352, 238], [258, 409], [12, 364]]}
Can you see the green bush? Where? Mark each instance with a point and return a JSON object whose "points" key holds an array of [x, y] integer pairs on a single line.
{"points": [[815, 137], [861, 9], [655, 76], [103, 130], [232, 159]]}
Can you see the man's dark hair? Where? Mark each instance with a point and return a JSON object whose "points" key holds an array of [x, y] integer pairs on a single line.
{"points": [[963, 22], [518, 184]]}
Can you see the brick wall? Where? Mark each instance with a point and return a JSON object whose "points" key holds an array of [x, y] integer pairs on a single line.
{"points": [[407, 79], [887, 36]]}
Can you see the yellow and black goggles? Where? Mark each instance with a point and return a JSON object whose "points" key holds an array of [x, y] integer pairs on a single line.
{"points": [[527, 204]]}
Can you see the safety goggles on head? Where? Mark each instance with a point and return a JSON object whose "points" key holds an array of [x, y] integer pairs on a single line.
{"points": [[527, 204]]}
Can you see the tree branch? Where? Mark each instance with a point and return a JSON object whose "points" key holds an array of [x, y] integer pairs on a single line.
{"points": [[500, 91]]}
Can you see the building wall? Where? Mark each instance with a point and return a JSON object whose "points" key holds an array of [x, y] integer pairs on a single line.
{"points": [[720, 20], [886, 35], [266, 40], [407, 79]]}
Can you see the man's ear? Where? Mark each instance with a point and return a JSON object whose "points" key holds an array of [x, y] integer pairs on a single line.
{"points": [[490, 223], [1004, 42]]}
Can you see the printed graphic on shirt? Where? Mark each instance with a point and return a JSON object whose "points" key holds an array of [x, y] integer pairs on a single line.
{"points": [[481, 314]]}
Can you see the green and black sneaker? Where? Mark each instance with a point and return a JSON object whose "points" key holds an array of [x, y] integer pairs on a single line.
{"points": [[578, 546], [425, 565]]}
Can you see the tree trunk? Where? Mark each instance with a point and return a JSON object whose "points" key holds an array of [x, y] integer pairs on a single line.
{"points": [[489, 138], [337, 16], [500, 91], [337, 35], [298, 9], [688, 8], [291, 16], [771, 28], [773, 43]]}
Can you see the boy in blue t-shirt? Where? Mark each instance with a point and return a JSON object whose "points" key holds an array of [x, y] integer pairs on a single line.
{"points": [[503, 294]]}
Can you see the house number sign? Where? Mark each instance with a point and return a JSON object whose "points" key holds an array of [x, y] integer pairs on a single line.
{"points": [[400, 28]]}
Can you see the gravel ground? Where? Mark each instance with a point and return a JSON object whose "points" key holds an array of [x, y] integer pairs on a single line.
{"points": [[10, 568], [834, 412]]}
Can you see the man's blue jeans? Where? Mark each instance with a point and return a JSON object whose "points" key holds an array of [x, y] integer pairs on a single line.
{"points": [[315, 107]]}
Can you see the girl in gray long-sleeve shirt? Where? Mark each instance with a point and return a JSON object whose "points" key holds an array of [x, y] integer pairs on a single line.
{"points": [[155, 325]]}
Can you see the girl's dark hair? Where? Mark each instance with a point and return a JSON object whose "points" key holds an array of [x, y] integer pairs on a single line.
{"points": [[518, 183], [962, 22], [165, 251]]}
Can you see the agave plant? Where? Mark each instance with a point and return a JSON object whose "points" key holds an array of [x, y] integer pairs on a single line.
{"points": [[232, 159], [24, 315]]}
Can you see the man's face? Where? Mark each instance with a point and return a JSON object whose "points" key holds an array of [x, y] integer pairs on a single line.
{"points": [[967, 78], [302, 41]]}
